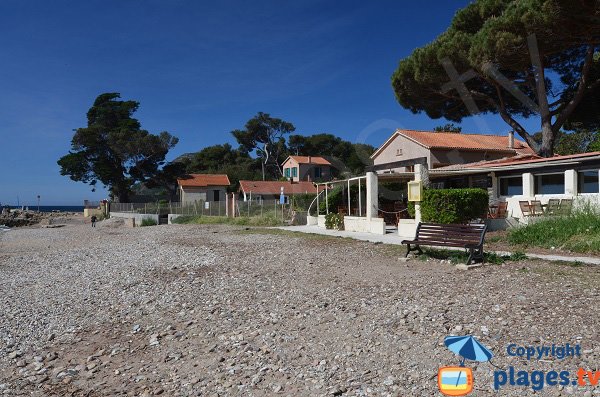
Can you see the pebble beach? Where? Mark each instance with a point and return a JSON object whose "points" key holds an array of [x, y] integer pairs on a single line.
{"points": [[189, 310]]}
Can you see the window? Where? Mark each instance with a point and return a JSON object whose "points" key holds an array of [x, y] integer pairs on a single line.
{"points": [[511, 186], [398, 152], [216, 195], [587, 181], [550, 184], [295, 171], [318, 172], [287, 172]]}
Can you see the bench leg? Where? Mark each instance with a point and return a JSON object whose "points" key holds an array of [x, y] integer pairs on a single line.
{"points": [[416, 248], [470, 256], [475, 254]]}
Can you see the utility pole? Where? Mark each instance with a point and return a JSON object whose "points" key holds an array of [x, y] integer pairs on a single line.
{"points": [[38, 197]]}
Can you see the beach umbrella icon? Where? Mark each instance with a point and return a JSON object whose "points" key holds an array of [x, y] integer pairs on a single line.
{"points": [[468, 348]]}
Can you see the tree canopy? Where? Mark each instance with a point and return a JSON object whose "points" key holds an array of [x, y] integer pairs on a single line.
{"points": [[448, 127], [265, 135], [113, 149], [514, 58]]}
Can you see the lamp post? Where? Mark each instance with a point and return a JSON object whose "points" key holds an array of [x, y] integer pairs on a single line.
{"points": [[38, 197]]}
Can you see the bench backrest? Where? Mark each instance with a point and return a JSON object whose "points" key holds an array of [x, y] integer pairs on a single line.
{"points": [[451, 234]]}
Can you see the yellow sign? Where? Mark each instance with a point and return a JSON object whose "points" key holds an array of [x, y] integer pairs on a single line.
{"points": [[415, 190]]}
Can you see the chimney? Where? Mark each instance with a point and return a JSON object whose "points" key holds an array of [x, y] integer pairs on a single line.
{"points": [[511, 139]]}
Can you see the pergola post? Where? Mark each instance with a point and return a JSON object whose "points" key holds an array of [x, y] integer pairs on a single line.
{"points": [[359, 199], [421, 174], [348, 208], [372, 184]]}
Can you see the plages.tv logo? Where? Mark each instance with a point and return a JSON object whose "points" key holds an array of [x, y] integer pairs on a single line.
{"points": [[458, 380]]}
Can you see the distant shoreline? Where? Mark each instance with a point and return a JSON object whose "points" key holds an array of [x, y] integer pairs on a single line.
{"points": [[50, 208]]}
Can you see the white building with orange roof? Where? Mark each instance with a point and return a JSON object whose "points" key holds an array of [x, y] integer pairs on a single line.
{"points": [[307, 168], [203, 187]]}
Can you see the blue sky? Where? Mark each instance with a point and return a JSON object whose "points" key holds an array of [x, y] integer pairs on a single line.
{"points": [[201, 69]]}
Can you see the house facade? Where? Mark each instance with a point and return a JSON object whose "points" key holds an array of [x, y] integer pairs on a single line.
{"points": [[440, 149], [307, 168], [203, 187]]}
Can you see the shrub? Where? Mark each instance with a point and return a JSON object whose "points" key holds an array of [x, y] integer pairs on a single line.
{"points": [[148, 222], [334, 221], [453, 205]]}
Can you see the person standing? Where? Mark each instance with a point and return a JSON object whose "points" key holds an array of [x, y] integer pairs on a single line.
{"points": [[94, 219]]}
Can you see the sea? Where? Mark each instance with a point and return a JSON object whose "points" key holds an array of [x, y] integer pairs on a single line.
{"points": [[51, 208]]}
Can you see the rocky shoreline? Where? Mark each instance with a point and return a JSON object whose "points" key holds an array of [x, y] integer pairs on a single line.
{"points": [[20, 218]]}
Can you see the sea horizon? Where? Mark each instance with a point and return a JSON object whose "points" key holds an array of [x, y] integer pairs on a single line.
{"points": [[48, 208]]}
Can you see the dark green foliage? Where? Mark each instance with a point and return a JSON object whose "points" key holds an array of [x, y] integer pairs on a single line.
{"points": [[300, 202], [148, 222], [224, 159], [166, 179], [334, 221], [345, 156], [578, 141], [449, 127], [265, 135], [493, 34], [453, 205], [338, 197], [113, 149]]}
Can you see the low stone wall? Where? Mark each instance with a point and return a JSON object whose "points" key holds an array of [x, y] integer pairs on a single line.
{"points": [[137, 218], [365, 225], [407, 228]]}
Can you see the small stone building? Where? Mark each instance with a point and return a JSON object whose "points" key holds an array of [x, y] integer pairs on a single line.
{"points": [[203, 187]]}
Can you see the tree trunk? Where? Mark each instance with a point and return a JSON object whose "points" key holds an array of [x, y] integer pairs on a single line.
{"points": [[548, 137]]}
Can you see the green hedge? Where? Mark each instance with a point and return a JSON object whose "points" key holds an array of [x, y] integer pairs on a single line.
{"points": [[454, 205]]}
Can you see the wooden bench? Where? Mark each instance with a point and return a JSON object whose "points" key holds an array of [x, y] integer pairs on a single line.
{"points": [[469, 237]]}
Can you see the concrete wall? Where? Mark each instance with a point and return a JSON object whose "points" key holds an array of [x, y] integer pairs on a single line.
{"points": [[136, 217], [87, 212], [311, 221], [365, 225], [171, 217], [190, 194]]}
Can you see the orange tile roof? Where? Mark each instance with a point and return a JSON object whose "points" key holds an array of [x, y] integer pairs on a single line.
{"points": [[308, 160], [203, 180], [449, 141], [274, 187]]}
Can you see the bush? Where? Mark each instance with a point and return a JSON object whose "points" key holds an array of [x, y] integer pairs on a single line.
{"points": [[334, 221], [454, 205], [148, 222]]}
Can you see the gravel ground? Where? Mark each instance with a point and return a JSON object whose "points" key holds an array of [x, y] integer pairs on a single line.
{"points": [[217, 311]]}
